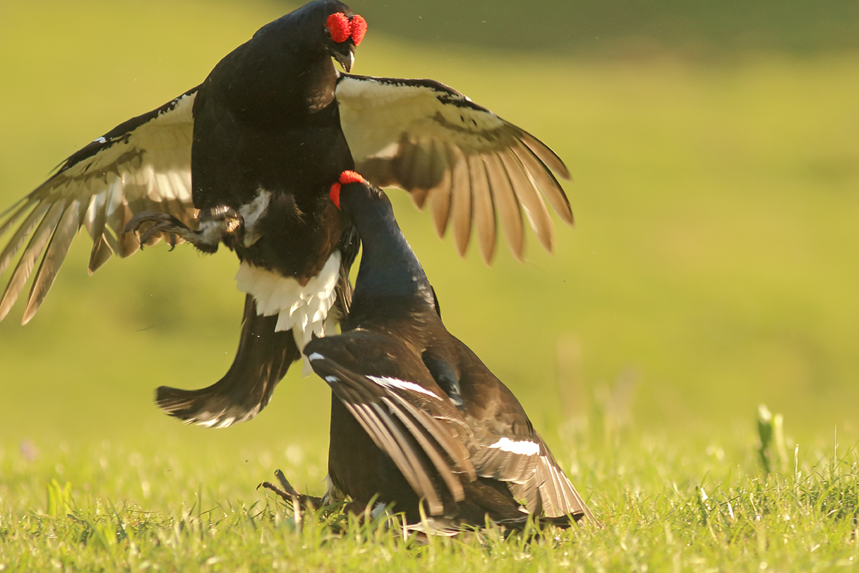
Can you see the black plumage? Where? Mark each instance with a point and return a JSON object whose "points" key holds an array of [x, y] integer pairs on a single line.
{"points": [[415, 414], [245, 160]]}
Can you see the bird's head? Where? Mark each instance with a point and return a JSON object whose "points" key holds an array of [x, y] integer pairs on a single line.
{"points": [[389, 266], [344, 32], [322, 26], [351, 191]]}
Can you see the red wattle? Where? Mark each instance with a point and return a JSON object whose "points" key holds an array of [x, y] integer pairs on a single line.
{"points": [[339, 27], [359, 28], [335, 194]]}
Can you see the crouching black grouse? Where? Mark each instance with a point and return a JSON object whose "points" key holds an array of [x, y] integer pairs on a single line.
{"points": [[246, 159], [416, 417]]}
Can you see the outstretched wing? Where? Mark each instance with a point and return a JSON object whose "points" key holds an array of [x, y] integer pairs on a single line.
{"points": [[420, 430], [426, 138], [141, 164]]}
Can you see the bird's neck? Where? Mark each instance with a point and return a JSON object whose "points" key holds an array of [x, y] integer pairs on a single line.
{"points": [[389, 268]]}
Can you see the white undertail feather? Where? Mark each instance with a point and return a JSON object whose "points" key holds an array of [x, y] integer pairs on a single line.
{"points": [[306, 310], [215, 422]]}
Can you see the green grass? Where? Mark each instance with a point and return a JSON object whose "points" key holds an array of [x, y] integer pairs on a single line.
{"points": [[666, 504], [712, 268]]}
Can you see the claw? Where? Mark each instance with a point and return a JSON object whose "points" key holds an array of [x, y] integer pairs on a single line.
{"points": [[284, 483], [289, 494], [149, 224]]}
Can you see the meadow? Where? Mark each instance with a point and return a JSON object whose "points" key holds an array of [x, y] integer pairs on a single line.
{"points": [[711, 269]]}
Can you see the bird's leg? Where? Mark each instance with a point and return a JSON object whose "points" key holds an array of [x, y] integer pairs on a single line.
{"points": [[289, 494], [215, 224]]}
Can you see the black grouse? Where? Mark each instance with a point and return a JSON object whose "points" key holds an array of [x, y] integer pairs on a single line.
{"points": [[246, 159], [415, 413]]}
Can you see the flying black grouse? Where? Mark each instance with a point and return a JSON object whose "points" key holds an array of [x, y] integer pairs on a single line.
{"points": [[246, 159], [415, 414]]}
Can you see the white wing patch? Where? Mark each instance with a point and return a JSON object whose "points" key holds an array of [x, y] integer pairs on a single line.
{"points": [[302, 309], [522, 447], [388, 382], [404, 106], [158, 153], [142, 164]]}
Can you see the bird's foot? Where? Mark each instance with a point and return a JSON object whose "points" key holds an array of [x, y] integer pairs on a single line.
{"points": [[149, 225], [289, 494], [215, 224]]}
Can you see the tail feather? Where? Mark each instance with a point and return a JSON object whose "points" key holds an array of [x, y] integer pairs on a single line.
{"points": [[262, 360]]}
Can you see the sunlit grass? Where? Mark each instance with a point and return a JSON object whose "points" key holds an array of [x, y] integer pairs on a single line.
{"points": [[666, 503]]}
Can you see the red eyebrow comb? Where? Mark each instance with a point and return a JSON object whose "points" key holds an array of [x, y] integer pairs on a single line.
{"points": [[345, 177], [342, 28], [359, 28]]}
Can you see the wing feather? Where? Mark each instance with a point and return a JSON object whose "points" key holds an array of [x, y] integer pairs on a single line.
{"points": [[20, 236], [385, 441], [61, 240], [440, 434], [28, 258], [425, 486], [405, 168], [94, 219], [99, 255], [505, 200], [546, 181], [529, 198], [416, 134], [484, 209], [544, 153], [417, 428], [385, 433], [440, 196], [142, 164], [424, 440], [15, 212], [460, 191]]}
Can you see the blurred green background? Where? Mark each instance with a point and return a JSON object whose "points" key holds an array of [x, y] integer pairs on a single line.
{"points": [[715, 153]]}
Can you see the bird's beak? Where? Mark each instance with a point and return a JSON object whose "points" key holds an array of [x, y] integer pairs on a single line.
{"points": [[345, 56]]}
